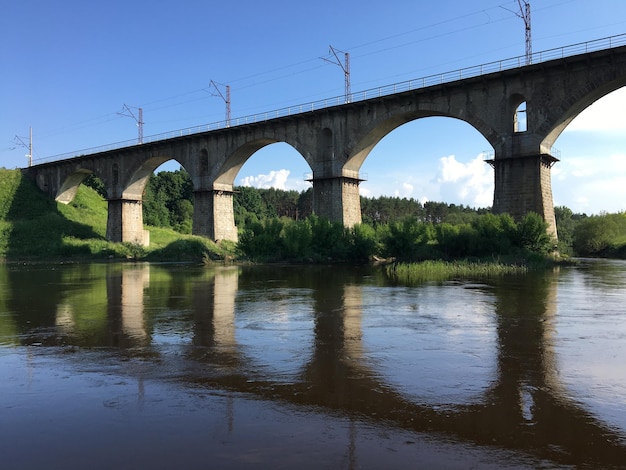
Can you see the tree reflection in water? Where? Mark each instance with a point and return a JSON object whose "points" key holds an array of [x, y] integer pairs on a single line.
{"points": [[297, 335]]}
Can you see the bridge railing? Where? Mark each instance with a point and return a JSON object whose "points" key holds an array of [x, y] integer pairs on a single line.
{"points": [[385, 90]]}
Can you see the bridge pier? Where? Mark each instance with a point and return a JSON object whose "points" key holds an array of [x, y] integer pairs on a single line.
{"points": [[337, 199], [125, 222], [523, 184], [213, 215]]}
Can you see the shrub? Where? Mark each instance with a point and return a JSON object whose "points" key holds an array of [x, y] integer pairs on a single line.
{"points": [[408, 238], [596, 235], [495, 234], [456, 241], [262, 240], [363, 243], [532, 234], [329, 239], [297, 240]]}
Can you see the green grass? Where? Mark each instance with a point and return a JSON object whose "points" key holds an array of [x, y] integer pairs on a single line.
{"points": [[35, 227], [439, 271]]}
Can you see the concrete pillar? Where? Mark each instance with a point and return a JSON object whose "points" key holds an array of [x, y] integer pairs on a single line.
{"points": [[125, 222], [337, 199], [213, 215], [522, 185]]}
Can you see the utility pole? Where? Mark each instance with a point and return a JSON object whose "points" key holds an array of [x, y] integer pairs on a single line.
{"points": [[126, 111], [18, 140], [225, 96], [524, 14], [346, 70]]}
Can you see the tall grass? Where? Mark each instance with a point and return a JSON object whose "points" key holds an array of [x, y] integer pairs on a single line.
{"points": [[439, 271]]}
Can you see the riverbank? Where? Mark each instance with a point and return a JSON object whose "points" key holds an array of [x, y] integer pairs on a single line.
{"points": [[34, 228]]}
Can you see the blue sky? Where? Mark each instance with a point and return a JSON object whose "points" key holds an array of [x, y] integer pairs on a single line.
{"points": [[69, 67]]}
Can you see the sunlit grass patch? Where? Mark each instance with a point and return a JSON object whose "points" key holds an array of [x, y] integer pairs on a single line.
{"points": [[169, 245], [439, 271]]}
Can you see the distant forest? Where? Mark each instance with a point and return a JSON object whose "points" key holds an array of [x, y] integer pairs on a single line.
{"points": [[168, 202]]}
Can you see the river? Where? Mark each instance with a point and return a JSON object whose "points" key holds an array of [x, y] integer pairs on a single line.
{"points": [[177, 366]]}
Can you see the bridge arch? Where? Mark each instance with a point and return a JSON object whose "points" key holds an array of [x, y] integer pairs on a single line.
{"points": [[336, 139], [592, 169], [213, 199], [379, 129], [134, 186], [421, 168], [71, 179], [70, 185], [235, 161], [575, 103]]}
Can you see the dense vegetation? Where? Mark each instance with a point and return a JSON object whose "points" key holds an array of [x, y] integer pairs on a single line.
{"points": [[35, 227], [277, 225], [436, 229]]}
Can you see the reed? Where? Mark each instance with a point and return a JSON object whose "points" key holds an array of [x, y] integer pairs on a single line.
{"points": [[439, 271]]}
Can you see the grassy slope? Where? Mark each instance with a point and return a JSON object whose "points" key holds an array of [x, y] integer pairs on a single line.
{"points": [[33, 226]]}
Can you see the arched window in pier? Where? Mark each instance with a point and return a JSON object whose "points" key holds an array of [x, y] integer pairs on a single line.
{"points": [[520, 123]]}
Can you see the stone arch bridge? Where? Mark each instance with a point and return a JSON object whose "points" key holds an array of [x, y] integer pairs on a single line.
{"points": [[335, 140]]}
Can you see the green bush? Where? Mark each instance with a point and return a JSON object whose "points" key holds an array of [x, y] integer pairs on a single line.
{"points": [[262, 240], [408, 238], [362, 243], [495, 234], [599, 235], [456, 241], [532, 234], [329, 239], [297, 240]]}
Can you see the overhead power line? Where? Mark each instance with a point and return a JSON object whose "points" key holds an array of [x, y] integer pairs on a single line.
{"points": [[345, 67], [18, 140], [126, 111], [524, 14], [225, 96]]}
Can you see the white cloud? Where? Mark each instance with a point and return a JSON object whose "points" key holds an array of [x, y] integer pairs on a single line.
{"points": [[365, 192], [591, 185], [274, 179], [466, 183], [605, 115], [405, 191], [278, 179]]}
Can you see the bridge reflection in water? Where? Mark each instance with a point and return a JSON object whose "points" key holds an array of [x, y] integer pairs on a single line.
{"points": [[297, 335]]}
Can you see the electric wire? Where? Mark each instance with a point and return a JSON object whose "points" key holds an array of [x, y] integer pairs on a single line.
{"points": [[149, 105]]}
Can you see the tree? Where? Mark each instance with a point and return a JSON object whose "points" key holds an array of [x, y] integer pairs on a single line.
{"points": [[597, 235], [168, 200], [565, 226], [532, 234], [96, 184], [248, 206], [495, 234]]}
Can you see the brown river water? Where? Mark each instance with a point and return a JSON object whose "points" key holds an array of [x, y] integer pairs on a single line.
{"points": [[127, 366]]}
